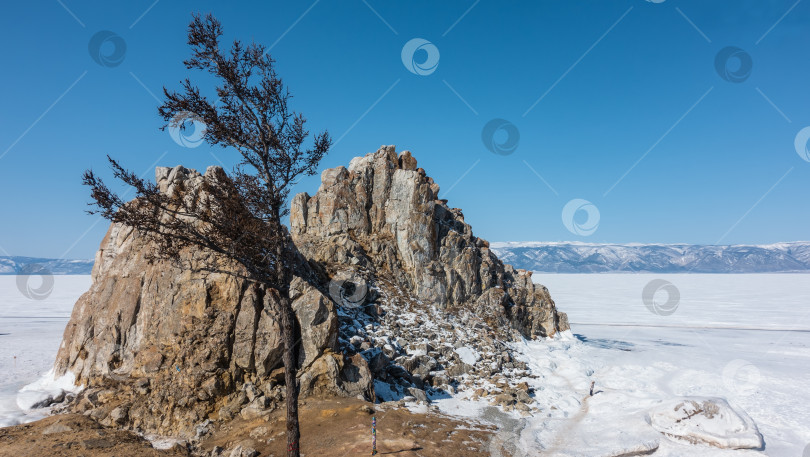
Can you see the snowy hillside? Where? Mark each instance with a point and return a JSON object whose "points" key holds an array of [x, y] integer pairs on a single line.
{"points": [[32, 265], [576, 257]]}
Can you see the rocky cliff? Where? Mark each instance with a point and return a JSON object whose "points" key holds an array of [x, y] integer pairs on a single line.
{"points": [[392, 291], [382, 218], [164, 345]]}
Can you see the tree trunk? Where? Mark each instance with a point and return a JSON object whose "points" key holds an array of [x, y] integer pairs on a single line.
{"points": [[290, 370], [283, 277]]}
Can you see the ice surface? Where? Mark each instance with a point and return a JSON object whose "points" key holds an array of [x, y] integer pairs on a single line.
{"points": [[741, 338], [30, 334]]}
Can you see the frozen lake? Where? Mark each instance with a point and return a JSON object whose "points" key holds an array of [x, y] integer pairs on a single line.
{"points": [[745, 338], [742, 338], [30, 334]]}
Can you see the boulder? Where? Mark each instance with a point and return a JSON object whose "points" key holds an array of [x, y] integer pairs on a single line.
{"points": [[418, 394], [420, 365], [458, 369], [317, 318], [243, 450], [332, 374]]}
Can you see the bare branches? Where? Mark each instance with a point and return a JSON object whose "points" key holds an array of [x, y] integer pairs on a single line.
{"points": [[215, 216], [252, 114]]}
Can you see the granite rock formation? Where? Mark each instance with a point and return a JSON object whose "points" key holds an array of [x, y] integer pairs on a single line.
{"points": [[168, 347], [382, 216], [163, 345]]}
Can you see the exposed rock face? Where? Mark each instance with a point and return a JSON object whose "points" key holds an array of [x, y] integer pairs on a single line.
{"points": [[173, 345], [382, 215], [164, 347]]}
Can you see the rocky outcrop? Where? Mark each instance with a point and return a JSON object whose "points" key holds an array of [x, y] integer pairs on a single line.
{"points": [[165, 345], [382, 216], [392, 291]]}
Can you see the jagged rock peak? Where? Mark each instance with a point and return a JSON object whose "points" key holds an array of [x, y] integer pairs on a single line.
{"points": [[382, 218]]}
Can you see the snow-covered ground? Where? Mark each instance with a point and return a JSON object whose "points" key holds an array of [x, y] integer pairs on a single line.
{"points": [[743, 338]]}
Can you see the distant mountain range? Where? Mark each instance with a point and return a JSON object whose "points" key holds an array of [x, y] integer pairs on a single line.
{"points": [[33, 265], [574, 257], [570, 257]]}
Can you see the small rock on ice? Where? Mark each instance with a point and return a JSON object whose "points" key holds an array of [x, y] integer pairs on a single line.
{"points": [[706, 420]]}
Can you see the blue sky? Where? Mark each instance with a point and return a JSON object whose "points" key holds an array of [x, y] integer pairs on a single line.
{"points": [[617, 103]]}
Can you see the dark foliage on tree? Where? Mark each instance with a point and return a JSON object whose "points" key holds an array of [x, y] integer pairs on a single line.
{"points": [[238, 217]]}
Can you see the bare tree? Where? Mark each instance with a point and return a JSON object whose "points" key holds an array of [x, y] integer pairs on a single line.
{"points": [[241, 217]]}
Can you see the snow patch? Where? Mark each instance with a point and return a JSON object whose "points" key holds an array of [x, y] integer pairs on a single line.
{"points": [[46, 386], [468, 355]]}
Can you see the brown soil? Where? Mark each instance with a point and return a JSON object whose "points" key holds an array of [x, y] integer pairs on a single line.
{"points": [[329, 427], [74, 435], [342, 428]]}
